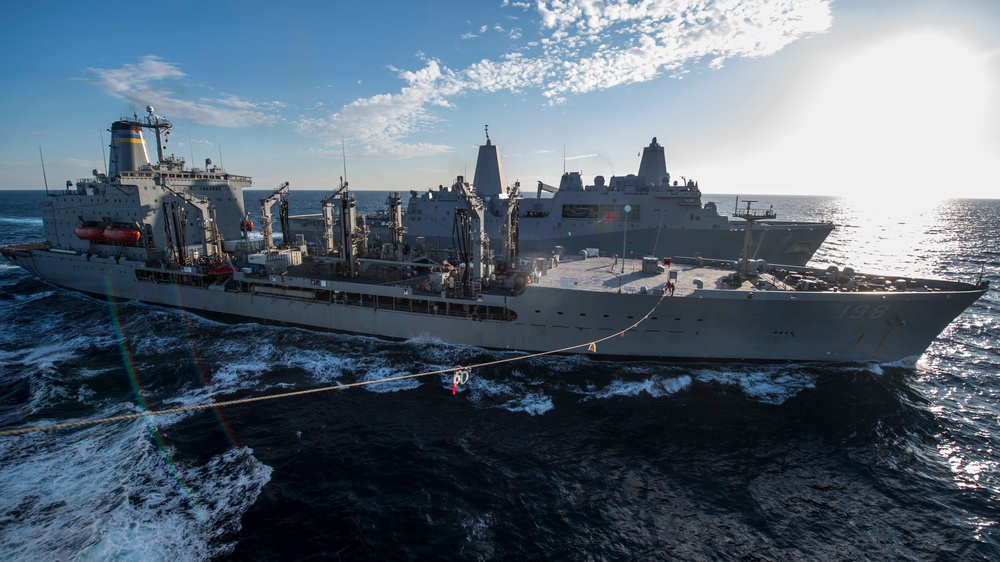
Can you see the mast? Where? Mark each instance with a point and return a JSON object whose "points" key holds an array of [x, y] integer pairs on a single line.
{"points": [[751, 216], [348, 224], [158, 125]]}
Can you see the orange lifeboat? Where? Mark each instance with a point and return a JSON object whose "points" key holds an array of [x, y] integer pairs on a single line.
{"points": [[219, 270], [246, 225], [121, 235], [88, 232]]}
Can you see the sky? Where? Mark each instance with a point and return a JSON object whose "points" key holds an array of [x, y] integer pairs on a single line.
{"points": [[895, 98]]}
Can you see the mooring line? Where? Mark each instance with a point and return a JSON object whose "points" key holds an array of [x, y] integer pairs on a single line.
{"points": [[150, 413]]}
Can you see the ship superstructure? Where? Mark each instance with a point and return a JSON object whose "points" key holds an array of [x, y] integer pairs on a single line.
{"points": [[148, 212]]}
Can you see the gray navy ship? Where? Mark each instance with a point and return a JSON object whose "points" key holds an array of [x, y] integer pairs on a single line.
{"points": [[167, 234], [642, 214]]}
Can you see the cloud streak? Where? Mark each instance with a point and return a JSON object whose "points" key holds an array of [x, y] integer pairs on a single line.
{"points": [[585, 46], [149, 82]]}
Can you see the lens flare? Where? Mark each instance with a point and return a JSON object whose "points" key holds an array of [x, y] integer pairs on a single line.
{"points": [[189, 339], [126, 356]]}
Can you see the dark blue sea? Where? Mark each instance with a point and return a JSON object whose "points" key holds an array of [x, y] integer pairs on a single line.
{"points": [[555, 458]]}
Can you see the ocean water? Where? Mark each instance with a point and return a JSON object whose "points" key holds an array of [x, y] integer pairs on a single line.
{"points": [[555, 458]]}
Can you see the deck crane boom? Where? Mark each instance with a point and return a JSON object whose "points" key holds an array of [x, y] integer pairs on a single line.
{"points": [[265, 214]]}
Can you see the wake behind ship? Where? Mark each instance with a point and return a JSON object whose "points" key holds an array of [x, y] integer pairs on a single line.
{"points": [[170, 235]]}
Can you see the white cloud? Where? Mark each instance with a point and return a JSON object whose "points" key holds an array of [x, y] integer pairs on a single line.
{"points": [[586, 45], [602, 45], [149, 82], [377, 125], [579, 46]]}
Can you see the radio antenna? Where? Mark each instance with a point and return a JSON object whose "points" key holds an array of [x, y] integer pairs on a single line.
{"points": [[343, 151], [104, 154], [43, 170]]}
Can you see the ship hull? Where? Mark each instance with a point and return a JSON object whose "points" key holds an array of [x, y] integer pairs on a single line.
{"points": [[705, 326], [791, 244]]}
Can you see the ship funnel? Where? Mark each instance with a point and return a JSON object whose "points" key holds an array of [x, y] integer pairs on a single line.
{"points": [[489, 179], [653, 167], [128, 148]]}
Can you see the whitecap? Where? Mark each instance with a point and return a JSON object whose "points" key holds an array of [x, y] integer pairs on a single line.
{"points": [[876, 369], [388, 386], [514, 396], [233, 376], [22, 221], [23, 299], [656, 386], [533, 403], [44, 357], [107, 492], [434, 350], [768, 384]]}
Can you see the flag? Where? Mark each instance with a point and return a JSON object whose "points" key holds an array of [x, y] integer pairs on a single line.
{"points": [[592, 347]]}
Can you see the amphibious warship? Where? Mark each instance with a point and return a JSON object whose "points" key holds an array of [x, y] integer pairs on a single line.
{"points": [[651, 212], [170, 235]]}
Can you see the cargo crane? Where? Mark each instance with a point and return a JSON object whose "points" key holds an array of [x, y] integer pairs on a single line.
{"points": [[213, 242], [265, 214]]}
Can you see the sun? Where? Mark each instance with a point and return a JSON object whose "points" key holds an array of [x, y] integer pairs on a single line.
{"points": [[910, 113]]}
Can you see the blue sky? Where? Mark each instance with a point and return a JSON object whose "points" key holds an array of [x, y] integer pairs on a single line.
{"points": [[889, 98]]}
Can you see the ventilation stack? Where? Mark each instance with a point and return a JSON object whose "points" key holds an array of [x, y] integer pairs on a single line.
{"points": [[128, 148]]}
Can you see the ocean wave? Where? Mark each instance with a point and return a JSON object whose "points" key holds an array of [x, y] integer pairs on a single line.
{"points": [[8, 269], [34, 296], [22, 221], [388, 386], [512, 395], [109, 492], [655, 386], [436, 351], [767, 384]]}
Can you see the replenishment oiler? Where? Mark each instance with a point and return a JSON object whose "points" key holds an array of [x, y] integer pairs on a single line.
{"points": [[170, 235]]}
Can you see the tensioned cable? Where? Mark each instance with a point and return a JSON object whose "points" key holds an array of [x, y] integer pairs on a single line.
{"points": [[592, 345]]}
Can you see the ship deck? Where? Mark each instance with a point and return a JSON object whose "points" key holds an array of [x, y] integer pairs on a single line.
{"points": [[691, 274], [613, 275]]}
